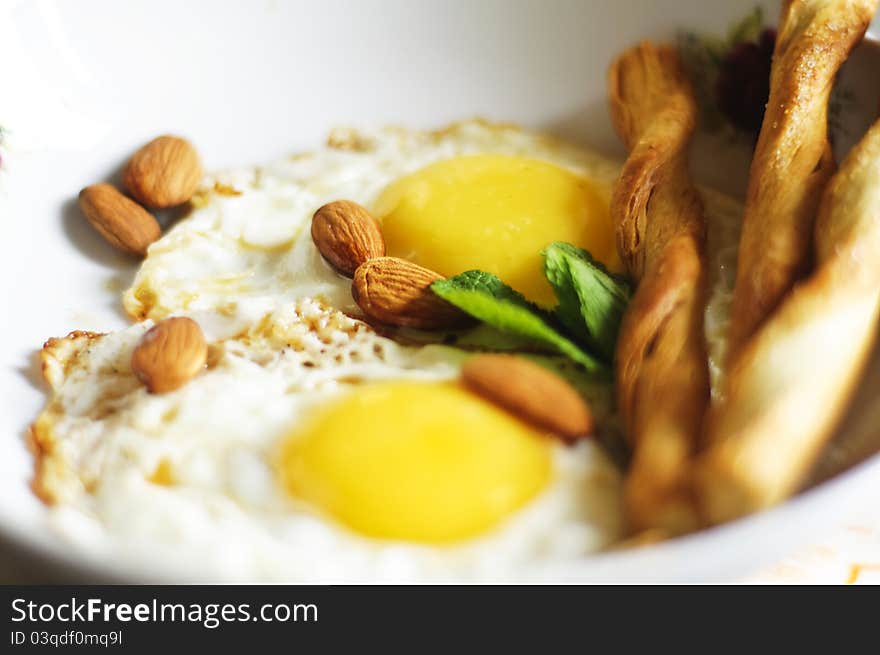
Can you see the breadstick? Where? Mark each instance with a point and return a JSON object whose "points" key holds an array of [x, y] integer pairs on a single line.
{"points": [[661, 371], [793, 379], [792, 160]]}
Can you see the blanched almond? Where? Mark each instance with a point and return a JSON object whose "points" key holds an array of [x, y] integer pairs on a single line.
{"points": [[530, 392], [347, 235], [398, 292], [120, 220], [163, 173], [169, 354]]}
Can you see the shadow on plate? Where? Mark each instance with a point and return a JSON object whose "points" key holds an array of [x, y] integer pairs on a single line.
{"points": [[85, 238], [858, 437], [32, 371], [589, 127]]}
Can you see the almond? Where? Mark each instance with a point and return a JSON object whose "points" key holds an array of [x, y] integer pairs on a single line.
{"points": [[347, 235], [120, 220], [398, 292], [169, 354], [164, 173], [531, 392]]}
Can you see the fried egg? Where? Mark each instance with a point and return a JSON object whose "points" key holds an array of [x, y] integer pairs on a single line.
{"points": [[314, 449], [474, 195], [311, 449]]}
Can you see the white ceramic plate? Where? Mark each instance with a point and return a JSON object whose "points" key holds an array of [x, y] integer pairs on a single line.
{"points": [[86, 82]]}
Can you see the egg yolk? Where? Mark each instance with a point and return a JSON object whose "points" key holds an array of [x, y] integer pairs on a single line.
{"points": [[416, 461], [494, 213]]}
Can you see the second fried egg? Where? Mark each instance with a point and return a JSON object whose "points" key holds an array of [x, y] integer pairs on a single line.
{"points": [[311, 449]]}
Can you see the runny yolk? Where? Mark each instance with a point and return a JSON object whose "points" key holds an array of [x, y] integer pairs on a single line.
{"points": [[415, 461], [495, 213]]}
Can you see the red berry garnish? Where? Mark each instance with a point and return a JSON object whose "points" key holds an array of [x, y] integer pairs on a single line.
{"points": [[743, 84]]}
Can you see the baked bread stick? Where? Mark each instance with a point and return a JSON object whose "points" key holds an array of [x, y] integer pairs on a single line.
{"points": [[661, 371], [793, 379], [792, 160]]}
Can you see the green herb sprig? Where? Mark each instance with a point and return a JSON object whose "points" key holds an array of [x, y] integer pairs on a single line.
{"points": [[583, 327]]}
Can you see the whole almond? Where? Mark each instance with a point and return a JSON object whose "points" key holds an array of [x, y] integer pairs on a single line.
{"points": [[164, 173], [530, 392], [120, 220], [398, 292], [347, 235], [169, 354]]}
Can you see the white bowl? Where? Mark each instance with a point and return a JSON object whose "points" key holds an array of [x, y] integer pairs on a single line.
{"points": [[85, 83]]}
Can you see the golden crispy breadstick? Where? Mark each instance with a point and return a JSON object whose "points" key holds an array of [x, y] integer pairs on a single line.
{"points": [[661, 370], [793, 160], [791, 382]]}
